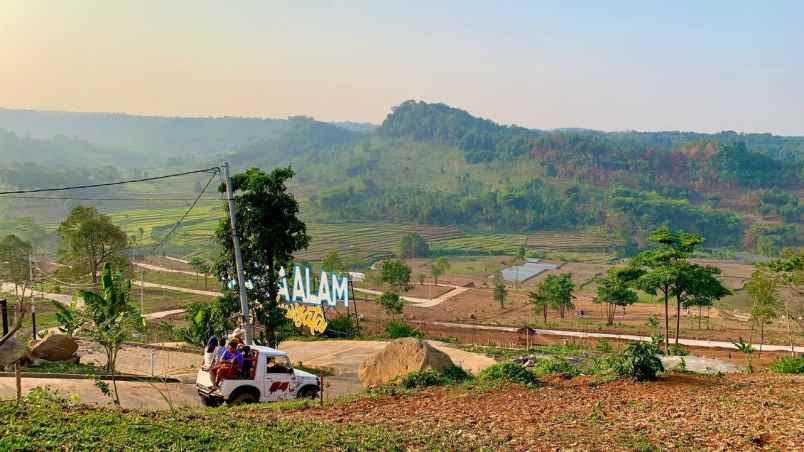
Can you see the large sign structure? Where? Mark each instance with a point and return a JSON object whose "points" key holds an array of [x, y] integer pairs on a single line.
{"points": [[306, 308]]}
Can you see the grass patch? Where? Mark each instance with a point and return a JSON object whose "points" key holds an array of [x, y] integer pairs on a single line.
{"points": [[788, 365], [505, 373], [45, 422]]}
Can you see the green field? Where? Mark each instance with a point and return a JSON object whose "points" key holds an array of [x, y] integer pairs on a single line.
{"points": [[359, 242]]}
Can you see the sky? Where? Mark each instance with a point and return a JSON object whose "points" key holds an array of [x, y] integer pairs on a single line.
{"points": [[608, 65]]}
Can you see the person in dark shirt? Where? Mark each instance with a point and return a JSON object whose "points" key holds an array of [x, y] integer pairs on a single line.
{"points": [[229, 365], [248, 362]]}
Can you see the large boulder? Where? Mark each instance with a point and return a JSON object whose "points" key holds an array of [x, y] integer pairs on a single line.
{"points": [[12, 351], [399, 358], [55, 347]]}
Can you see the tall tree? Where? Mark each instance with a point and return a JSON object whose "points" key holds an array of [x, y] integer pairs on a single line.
{"points": [[391, 303], [697, 285], [270, 231], [553, 291], [438, 268], [613, 290], [14, 265], [413, 245], [500, 292], [333, 263], [88, 241], [660, 266], [396, 274], [764, 301]]}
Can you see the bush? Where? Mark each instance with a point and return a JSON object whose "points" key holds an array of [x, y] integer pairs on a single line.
{"points": [[451, 375], [676, 350], [604, 346], [508, 373], [422, 379], [342, 326], [638, 361], [788, 365], [396, 329], [557, 366]]}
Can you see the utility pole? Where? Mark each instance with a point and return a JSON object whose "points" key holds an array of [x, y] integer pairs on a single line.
{"points": [[33, 302], [241, 280], [142, 292]]}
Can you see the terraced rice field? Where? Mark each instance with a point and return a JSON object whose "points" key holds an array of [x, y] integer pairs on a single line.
{"points": [[197, 227], [539, 241], [368, 241]]}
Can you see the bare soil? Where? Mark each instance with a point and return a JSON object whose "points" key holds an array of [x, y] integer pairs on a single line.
{"points": [[680, 411]]}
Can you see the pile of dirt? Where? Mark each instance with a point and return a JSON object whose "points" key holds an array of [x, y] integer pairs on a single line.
{"points": [[399, 358]]}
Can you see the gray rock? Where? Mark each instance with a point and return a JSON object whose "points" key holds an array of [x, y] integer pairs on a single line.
{"points": [[12, 351]]}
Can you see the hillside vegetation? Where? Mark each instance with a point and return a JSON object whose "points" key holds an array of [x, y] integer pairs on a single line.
{"points": [[432, 164]]}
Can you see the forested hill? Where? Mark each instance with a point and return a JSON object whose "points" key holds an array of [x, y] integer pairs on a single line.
{"points": [[675, 158], [435, 164]]}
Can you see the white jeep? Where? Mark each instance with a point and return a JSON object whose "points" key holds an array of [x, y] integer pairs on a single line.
{"points": [[270, 379]]}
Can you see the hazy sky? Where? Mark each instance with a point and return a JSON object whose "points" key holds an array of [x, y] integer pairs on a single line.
{"points": [[697, 65]]}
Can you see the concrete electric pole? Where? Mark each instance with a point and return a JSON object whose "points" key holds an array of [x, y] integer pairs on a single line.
{"points": [[241, 280]]}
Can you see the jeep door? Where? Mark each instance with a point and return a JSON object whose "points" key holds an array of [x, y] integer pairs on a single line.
{"points": [[278, 383]]}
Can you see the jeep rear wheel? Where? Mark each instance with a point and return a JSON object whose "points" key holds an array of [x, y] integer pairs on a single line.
{"points": [[242, 398]]}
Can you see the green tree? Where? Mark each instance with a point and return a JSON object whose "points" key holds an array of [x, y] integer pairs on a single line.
{"points": [[659, 267], [333, 263], [789, 272], [438, 268], [113, 319], [396, 274], [201, 266], [391, 303], [697, 285], [88, 241], [270, 231], [69, 317], [413, 245], [14, 255], [554, 291], [204, 320], [500, 292], [613, 290], [764, 301]]}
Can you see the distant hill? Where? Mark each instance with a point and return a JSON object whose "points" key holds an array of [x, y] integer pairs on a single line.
{"points": [[431, 163]]}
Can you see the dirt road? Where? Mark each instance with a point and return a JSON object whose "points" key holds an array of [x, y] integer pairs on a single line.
{"points": [[421, 302], [627, 337]]}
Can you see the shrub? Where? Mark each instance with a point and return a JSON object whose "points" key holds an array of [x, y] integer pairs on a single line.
{"points": [[451, 375], [638, 361], [676, 350], [604, 346], [396, 329], [557, 366], [788, 365], [456, 374], [508, 373], [422, 379], [342, 326]]}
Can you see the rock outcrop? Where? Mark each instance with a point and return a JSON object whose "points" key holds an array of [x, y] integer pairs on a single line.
{"points": [[399, 358], [55, 347]]}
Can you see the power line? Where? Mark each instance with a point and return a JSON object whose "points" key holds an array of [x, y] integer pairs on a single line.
{"points": [[178, 223], [67, 198], [108, 184]]}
